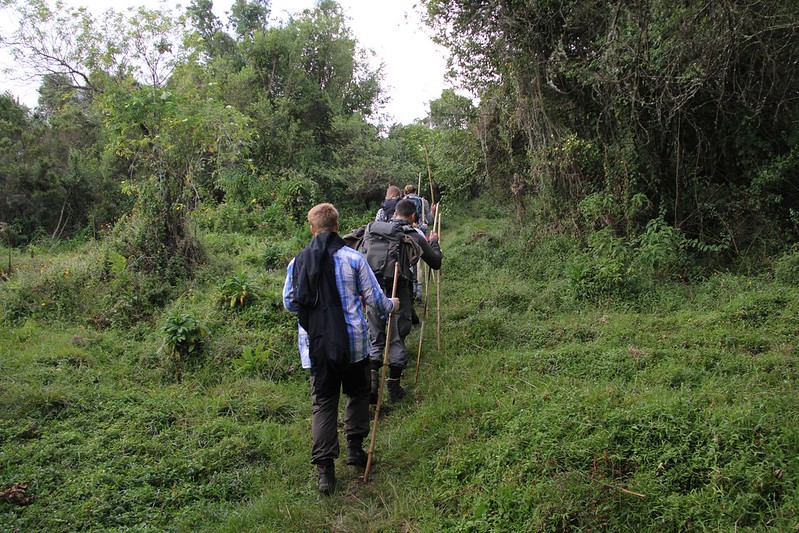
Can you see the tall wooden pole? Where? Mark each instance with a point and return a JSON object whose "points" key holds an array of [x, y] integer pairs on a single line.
{"points": [[438, 287], [424, 318], [382, 379], [430, 178]]}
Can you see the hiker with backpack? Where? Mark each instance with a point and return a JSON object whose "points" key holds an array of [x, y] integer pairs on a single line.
{"points": [[411, 246], [423, 214], [423, 217], [327, 284], [386, 211]]}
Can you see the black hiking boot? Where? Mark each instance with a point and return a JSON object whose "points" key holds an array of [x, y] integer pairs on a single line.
{"points": [[395, 391], [327, 478], [375, 386], [355, 454]]}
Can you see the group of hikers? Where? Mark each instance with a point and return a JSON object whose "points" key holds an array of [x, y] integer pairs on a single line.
{"points": [[328, 286]]}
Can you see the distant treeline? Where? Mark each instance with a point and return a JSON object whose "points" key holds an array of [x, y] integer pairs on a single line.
{"points": [[591, 116]]}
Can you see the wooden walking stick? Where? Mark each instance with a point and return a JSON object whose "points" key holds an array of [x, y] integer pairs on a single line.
{"points": [[382, 379], [427, 291], [438, 287], [424, 317], [430, 177]]}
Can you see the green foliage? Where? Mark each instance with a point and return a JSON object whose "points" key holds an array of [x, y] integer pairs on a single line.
{"points": [[172, 138], [237, 291], [229, 217], [660, 248], [53, 180], [541, 411], [451, 147], [51, 286], [786, 267], [296, 195], [241, 187], [262, 360], [644, 99], [248, 17], [604, 210], [604, 269], [183, 336], [117, 262], [625, 266], [252, 359], [274, 255], [316, 90]]}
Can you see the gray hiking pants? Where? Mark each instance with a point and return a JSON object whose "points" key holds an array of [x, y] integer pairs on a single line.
{"points": [[400, 327], [355, 380]]}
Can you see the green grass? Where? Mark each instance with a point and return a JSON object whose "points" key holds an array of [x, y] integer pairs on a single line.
{"points": [[671, 409]]}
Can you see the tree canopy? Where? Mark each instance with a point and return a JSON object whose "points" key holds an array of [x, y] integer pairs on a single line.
{"points": [[693, 106], [592, 115]]}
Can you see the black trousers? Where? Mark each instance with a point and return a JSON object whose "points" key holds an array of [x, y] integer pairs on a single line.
{"points": [[354, 381]]}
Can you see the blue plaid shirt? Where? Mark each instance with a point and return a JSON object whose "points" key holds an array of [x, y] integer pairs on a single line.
{"points": [[356, 285]]}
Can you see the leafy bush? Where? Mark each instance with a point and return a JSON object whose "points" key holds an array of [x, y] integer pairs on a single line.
{"points": [[274, 255], [183, 336], [296, 195], [659, 249], [252, 359], [786, 268], [603, 270], [603, 209], [240, 185], [237, 290], [229, 216], [276, 223]]}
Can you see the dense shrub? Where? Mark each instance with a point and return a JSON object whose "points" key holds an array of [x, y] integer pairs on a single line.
{"points": [[786, 267]]}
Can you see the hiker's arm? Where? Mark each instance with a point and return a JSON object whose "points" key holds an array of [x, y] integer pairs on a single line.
{"points": [[288, 290], [431, 251]]}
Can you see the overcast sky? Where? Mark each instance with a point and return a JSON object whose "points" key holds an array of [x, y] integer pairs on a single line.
{"points": [[413, 65]]}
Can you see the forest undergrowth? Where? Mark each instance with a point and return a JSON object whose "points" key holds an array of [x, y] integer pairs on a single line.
{"points": [[571, 392]]}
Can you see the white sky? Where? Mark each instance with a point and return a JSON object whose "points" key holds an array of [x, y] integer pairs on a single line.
{"points": [[414, 66]]}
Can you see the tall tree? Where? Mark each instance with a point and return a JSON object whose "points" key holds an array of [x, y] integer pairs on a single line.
{"points": [[166, 133], [693, 105], [215, 42], [306, 85], [249, 16]]}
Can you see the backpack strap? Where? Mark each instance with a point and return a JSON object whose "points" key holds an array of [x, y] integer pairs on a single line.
{"points": [[410, 247]]}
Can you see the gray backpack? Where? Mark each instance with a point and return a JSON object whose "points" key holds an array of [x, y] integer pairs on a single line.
{"points": [[385, 244]]}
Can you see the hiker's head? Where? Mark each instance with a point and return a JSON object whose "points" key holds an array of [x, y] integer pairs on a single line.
{"points": [[409, 189], [406, 210], [393, 192], [323, 218]]}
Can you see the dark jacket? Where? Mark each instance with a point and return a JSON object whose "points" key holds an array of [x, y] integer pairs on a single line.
{"points": [[388, 207], [431, 251], [321, 313]]}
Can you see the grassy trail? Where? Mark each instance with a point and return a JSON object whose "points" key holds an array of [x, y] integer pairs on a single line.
{"points": [[673, 411]]}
